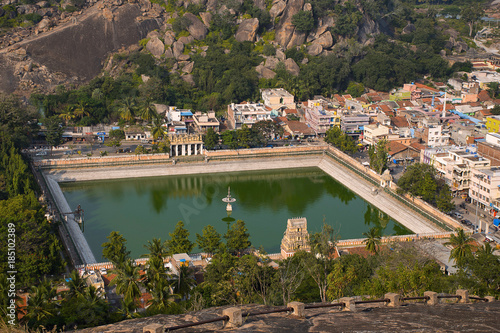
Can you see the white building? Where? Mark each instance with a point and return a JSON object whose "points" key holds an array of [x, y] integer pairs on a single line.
{"points": [[374, 132], [247, 114], [436, 136], [277, 98]]}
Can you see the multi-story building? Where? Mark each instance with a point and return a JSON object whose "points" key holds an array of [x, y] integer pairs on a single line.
{"points": [[485, 189], [374, 132], [204, 121], [490, 148], [320, 120], [436, 136], [246, 114], [455, 167], [493, 124], [276, 98], [353, 123]]}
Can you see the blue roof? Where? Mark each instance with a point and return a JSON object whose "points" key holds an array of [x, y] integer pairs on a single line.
{"points": [[186, 113]]}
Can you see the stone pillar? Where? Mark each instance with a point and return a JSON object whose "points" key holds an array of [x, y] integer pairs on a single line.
{"points": [[487, 228], [189, 149], [234, 314], [196, 149], [393, 299], [464, 293], [480, 226], [183, 150], [201, 148], [490, 298], [171, 149], [152, 328], [298, 309], [349, 304], [433, 298]]}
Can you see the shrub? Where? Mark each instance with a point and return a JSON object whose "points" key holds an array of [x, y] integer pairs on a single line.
{"points": [[303, 21]]}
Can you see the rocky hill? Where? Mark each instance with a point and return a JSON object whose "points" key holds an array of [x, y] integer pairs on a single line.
{"points": [[66, 48]]}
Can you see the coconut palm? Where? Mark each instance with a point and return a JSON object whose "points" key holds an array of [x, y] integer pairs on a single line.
{"points": [[127, 108], [461, 246], [67, 114], [372, 240], [76, 285], [41, 305], [81, 110], [156, 248], [128, 281], [158, 129], [162, 297], [184, 281], [148, 111]]}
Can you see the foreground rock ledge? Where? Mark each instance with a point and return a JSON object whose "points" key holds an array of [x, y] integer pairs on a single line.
{"points": [[416, 317]]}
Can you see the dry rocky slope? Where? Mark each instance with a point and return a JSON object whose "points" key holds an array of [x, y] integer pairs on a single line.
{"points": [[65, 48], [473, 317]]}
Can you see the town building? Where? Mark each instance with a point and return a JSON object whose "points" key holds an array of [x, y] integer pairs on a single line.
{"points": [[353, 123], [493, 124], [276, 98], [372, 133], [485, 189], [490, 148], [203, 121], [320, 119], [436, 136], [246, 114], [295, 238]]}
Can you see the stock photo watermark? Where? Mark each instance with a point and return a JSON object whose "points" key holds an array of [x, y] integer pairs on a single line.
{"points": [[11, 274]]}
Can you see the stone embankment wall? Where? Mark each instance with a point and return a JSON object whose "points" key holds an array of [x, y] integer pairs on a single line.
{"points": [[88, 162]]}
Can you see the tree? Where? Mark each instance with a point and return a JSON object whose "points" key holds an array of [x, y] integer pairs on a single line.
{"points": [[156, 249], [303, 21], [211, 139], [267, 129], [184, 281], [179, 240], [318, 263], [378, 156], [471, 14], [210, 239], [158, 129], [127, 108], [41, 308], [54, 132], [355, 89], [372, 240], [290, 277], [128, 282], [81, 110], [148, 111], [115, 249], [115, 137], [237, 237], [461, 246], [229, 139]]}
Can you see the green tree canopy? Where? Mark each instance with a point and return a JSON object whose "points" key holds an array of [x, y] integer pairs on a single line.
{"points": [[303, 21], [179, 240], [210, 240], [237, 237], [115, 249]]}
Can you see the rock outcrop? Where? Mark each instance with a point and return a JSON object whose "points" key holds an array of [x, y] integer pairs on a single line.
{"points": [[196, 28], [286, 34], [156, 47], [247, 30], [292, 66]]}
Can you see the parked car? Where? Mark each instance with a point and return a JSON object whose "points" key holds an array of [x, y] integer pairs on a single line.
{"points": [[458, 215], [41, 153]]}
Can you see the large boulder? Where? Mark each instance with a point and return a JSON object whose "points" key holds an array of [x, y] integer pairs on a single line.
{"points": [[277, 8], [280, 55], [155, 46], [264, 72], [247, 30], [261, 4], [188, 68], [197, 29], [177, 48], [292, 67], [206, 17], [169, 37], [169, 53], [325, 40], [285, 30], [314, 49], [272, 62], [186, 40]]}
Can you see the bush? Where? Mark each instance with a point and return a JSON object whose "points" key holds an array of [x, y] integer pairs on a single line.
{"points": [[33, 17], [303, 21], [269, 50]]}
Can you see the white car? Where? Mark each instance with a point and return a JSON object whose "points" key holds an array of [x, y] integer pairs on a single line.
{"points": [[41, 153]]}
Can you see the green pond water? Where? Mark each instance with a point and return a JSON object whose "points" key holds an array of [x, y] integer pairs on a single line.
{"points": [[145, 208]]}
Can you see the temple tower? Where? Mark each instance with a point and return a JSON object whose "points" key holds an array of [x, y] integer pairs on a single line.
{"points": [[295, 238]]}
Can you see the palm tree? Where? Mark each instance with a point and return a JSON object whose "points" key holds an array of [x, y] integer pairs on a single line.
{"points": [[148, 111], [162, 297], [77, 286], [185, 281], [41, 306], [156, 248], [67, 114], [81, 110], [158, 130], [127, 108], [461, 246], [128, 282], [372, 240]]}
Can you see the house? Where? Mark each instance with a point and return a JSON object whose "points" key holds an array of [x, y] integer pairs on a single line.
{"points": [[490, 148], [133, 133], [246, 114], [353, 123], [436, 136], [485, 189], [400, 153], [320, 119], [276, 98], [180, 260], [296, 130], [493, 123], [374, 132], [203, 121]]}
